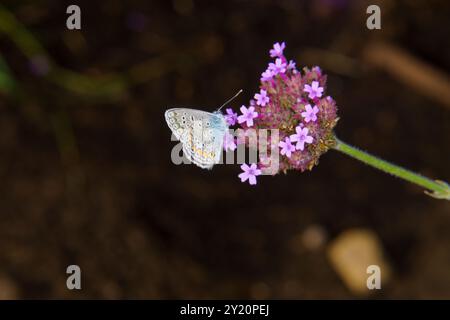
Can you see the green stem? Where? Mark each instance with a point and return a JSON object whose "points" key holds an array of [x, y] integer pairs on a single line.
{"points": [[440, 189]]}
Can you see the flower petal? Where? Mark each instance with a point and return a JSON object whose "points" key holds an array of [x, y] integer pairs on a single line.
{"points": [[243, 176], [245, 167]]}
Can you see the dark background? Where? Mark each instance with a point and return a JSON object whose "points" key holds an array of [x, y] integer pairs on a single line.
{"points": [[85, 168]]}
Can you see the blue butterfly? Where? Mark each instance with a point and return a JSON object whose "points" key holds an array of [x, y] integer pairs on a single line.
{"points": [[201, 133]]}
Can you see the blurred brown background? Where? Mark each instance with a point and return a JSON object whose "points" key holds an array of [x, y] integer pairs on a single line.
{"points": [[85, 169]]}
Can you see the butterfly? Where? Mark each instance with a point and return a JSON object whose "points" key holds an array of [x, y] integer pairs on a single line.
{"points": [[200, 132]]}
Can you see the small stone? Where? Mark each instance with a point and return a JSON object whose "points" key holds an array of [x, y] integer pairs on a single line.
{"points": [[351, 253]]}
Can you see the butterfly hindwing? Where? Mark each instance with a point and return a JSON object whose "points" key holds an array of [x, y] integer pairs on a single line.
{"points": [[200, 132]]}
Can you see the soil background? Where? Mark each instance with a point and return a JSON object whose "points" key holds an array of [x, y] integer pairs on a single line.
{"points": [[87, 178]]}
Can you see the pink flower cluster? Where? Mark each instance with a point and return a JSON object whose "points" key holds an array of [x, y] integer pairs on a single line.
{"points": [[294, 103]]}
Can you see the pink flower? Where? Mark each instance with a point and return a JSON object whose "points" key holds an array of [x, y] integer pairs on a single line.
{"points": [[278, 67], [261, 98], [301, 137], [310, 113], [249, 173], [291, 65], [228, 142], [247, 115], [314, 90], [286, 147], [231, 117], [277, 50], [303, 113], [266, 75]]}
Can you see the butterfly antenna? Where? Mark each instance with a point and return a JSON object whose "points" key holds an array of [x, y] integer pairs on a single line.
{"points": [[231, 99]]}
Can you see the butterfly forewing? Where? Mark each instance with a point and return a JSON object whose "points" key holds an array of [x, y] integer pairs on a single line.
{"points": [[200, 132]]}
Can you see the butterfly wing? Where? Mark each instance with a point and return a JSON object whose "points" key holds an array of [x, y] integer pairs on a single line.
{"points": [[200, 132]]}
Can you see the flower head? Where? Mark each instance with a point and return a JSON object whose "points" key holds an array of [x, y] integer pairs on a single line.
{"points": [[261, 98], [314, 90], [305, 126], [310, 113], [249, 173], [277, 50], [286, 147], [231, 117]]}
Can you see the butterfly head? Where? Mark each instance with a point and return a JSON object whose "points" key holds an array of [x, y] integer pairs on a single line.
{"points": [[219, 121]]}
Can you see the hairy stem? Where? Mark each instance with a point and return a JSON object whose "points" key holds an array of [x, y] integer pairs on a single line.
{"points": [[435, 188]]}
